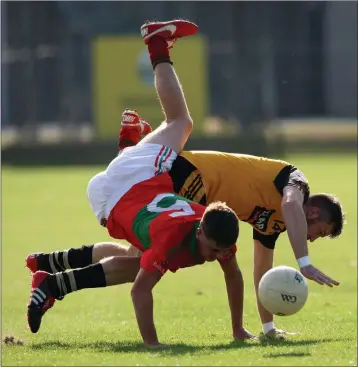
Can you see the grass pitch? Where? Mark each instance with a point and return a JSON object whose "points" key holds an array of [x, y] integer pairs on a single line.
{"points": [[46, 209]]}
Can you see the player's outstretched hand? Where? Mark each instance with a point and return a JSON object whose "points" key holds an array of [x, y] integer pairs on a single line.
{"points": [[243, 334], [317, 276], [156, 345]]}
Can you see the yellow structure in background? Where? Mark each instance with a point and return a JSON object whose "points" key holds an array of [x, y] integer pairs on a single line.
{"points": [[123, 78]]}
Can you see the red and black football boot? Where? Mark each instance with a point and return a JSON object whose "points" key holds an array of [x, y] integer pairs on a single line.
{"points": [[40, 300], [170, 31]]}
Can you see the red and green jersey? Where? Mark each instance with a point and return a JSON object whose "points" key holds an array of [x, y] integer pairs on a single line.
{"points": [[159, 223]]}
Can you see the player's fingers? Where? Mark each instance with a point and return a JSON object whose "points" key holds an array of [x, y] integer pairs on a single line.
{"points": [[322, 278], [334, 282], [327, 280], [312, 276], [317, 280]]}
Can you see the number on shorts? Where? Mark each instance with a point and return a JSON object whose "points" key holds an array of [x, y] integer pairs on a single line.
{"points": [[167, 202]]}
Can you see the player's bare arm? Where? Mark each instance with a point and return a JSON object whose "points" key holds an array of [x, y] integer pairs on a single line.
{"points": [[295, 220], [142, 298], [296, 224], [235, 291]]}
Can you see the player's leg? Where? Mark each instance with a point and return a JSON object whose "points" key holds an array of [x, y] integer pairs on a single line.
{"points": [[145, 161], [46, 288], [75, 258], [176, 128]]}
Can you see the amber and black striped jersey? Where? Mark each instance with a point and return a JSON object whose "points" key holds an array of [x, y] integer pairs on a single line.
{"points": [[187, 180], [252, 186]]}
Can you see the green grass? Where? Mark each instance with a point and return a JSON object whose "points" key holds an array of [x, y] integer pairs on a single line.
{"points": [[46, 209]]}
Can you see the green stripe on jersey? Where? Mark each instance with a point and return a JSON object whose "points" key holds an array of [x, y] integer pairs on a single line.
{"points": [[166, 150], [141, 226], [141, 223]]}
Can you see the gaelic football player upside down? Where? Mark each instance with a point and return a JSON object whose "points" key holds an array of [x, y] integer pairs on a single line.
{"points": [[134, 199], [270, 195]]}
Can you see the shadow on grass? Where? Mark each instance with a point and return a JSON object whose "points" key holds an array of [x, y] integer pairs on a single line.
{"points": [[287, 354], [296, 343], [173, 349], [136, 347]]}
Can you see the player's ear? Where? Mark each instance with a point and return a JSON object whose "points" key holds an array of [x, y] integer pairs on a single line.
{"points": [[313, 212]]}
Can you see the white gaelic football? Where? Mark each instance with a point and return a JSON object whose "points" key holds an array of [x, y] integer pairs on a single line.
{"points": [[283, 290]]}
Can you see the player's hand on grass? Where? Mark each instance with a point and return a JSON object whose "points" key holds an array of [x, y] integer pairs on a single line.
{"points": [[317, 276], [156, 345], [243, 334]]}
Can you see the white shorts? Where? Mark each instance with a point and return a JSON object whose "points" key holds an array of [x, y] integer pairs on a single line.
{"points": [[133, 165]]}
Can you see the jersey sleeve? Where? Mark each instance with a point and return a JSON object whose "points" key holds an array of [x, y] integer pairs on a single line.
{"points": [[292, 176], [229, 256], [167, 237], [153, 262]]}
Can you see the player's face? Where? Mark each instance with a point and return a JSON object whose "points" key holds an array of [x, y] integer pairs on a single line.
{"points": [[208, 248], [317, 229]]}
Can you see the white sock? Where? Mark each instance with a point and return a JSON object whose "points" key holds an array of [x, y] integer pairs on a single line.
{"points": [[267, 326]]}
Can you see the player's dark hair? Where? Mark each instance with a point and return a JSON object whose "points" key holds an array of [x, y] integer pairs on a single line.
{"points": [[331, 211], [221, 224]]}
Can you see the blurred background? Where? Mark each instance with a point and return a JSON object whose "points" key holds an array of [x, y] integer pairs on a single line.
{"points": [[260, 77]]}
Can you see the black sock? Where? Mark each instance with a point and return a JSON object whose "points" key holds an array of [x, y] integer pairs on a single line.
{"points": [[68, 259], [63, 283]]}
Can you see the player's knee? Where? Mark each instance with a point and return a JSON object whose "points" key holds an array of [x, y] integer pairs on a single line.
{"points": [[183, 124], [133, 252], [188, 124]]}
